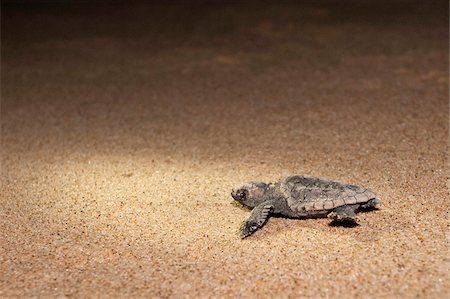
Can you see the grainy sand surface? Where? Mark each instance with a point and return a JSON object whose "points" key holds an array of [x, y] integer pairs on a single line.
{"points": [[124, 128]]}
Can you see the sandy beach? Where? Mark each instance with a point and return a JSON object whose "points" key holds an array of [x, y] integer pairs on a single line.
{"points": [[124, 128]]}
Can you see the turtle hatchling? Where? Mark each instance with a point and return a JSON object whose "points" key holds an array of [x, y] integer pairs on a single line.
{"points": [[302, 197]]}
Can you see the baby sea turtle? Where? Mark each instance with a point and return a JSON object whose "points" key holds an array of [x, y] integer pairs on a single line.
{"points": [[302, 197]]}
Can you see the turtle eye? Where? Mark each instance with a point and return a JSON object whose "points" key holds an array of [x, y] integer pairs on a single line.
{"points": [[243, 194]]}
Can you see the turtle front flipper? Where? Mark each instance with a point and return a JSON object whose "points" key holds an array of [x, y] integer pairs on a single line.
{"points": [[257, 219]]}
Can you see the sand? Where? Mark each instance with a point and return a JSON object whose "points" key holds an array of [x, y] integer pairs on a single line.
{"points": [[124, 128]]}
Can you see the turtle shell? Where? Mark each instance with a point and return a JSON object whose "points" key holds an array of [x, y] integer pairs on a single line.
{"points": [[310, 194]]}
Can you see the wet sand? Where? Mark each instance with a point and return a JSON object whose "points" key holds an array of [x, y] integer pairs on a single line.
{"points": [[124, 128]]}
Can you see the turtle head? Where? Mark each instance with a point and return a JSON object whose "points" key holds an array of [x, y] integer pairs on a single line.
{"points": [[250, 194]]}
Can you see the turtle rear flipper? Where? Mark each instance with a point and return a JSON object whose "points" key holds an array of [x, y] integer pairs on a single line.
{"points": [[343, 214], [257, 219], [372, 204]]}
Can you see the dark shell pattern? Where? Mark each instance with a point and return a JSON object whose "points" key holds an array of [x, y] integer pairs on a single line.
{"points": [[310, 195]]}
